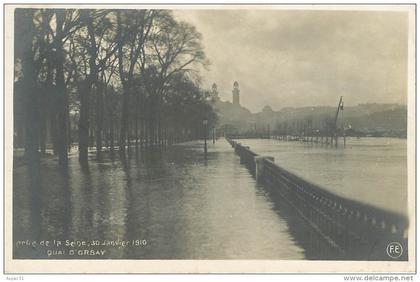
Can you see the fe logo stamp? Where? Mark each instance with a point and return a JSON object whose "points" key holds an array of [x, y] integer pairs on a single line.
{"points": [[394, 250]]}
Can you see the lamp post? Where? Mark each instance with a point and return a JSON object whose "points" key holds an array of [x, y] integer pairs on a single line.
{"points": [[205, 121]]}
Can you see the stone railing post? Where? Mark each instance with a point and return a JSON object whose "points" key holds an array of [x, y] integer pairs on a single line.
{"points": [[259, 166], [236, 146]]}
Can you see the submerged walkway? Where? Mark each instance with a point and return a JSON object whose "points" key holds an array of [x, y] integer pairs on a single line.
{"points": [[184, 206]]}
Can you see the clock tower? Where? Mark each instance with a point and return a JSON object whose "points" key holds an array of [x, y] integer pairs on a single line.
{"points": [[235, 94]]}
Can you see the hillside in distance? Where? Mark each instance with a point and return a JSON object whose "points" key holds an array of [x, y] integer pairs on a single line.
{"points": [[362, 120]]}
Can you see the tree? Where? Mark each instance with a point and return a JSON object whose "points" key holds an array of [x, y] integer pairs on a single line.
{"points": [[26, 51], [176, 46], [133, 27], [105, 74], [60, 25], [100, 46]]}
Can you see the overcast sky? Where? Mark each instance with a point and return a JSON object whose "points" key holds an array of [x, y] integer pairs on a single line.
{"points": [[304, 58]]}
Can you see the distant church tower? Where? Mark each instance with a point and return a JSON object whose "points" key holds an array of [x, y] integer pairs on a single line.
{"points": [[214, 93], [235, 94]]}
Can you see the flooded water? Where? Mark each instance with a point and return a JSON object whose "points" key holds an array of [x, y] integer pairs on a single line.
{"points": [[370, 170], [167, 205]]}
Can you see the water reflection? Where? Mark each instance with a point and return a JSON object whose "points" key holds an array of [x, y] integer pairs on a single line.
{"points": [[368, 167], [183, 205]]}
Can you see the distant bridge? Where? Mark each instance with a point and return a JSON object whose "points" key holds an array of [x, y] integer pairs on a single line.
{"points": [[249, 136], [313, 137], [352, 229]]}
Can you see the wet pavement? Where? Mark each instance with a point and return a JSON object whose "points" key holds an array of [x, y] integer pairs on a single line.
{"points": [[171, 204]]}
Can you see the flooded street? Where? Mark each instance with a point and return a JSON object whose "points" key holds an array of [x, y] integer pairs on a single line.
{"points": [[209, 138], [369, 170], [175, 203]]}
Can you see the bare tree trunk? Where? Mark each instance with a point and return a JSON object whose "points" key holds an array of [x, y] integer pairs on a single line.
{"points": [[84, 122], [136, 120], [142, 132], [31, 105], [91, 138], [124, 119], [112, 135], [43, 131], [99, 120], [147, 133], [106, 136], [61, 91], [54, 131], [69, 137], [83, 125], [117, 131], [129, 131]]}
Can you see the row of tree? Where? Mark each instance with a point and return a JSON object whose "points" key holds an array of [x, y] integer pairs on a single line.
{"points": [[106, 77]]}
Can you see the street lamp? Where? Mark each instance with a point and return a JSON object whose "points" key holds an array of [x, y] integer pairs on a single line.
{"points": [[205, 122]]}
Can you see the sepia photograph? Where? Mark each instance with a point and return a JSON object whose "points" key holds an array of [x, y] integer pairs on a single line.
{"points": [[209, 138]]}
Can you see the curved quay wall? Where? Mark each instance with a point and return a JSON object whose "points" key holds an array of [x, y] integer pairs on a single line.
{"points": [[352, 230]]}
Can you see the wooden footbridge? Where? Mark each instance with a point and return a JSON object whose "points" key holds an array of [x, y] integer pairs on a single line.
{"points": [[353, 230]]}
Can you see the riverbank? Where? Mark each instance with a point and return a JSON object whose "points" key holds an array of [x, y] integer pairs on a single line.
{"points": [[174, 203], [369, 170]]}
